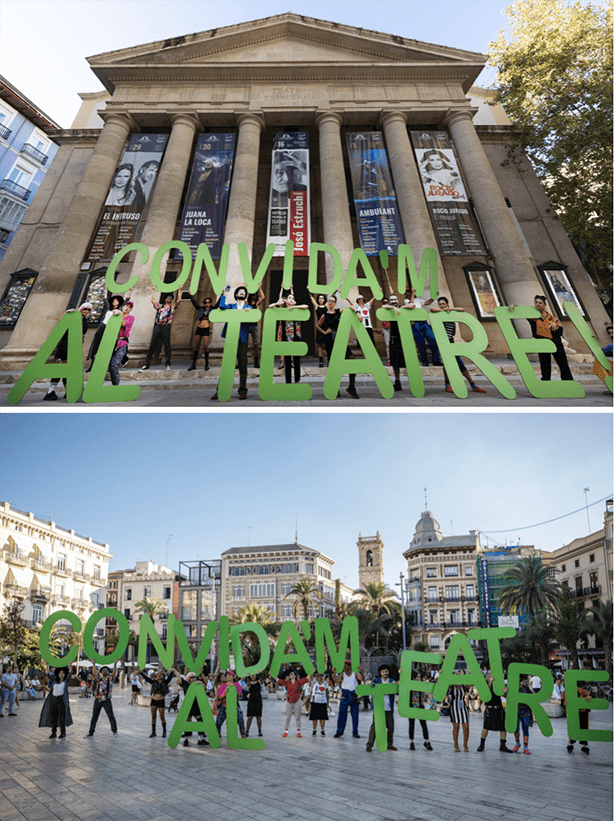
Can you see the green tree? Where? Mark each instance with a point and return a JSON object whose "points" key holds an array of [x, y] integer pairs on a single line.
{"points": [[12, 628], [306, 594], [527, 587], [599, 624], [378, 598], [570, 625], [250, 645], [554, 78], [540, 632], [153, 607], [341, 608]]}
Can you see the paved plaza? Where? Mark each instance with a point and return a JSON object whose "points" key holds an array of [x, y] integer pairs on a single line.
{"points": [[133, 777]]}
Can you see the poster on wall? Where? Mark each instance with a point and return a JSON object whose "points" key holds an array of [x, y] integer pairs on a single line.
{"points": [[379, 223], [483, 292], [288, 216], [455, 227], [561, 289], [204, 214], [129, 192]]}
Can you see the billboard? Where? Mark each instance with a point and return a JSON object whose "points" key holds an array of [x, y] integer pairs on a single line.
{"points": [[288, 217]]}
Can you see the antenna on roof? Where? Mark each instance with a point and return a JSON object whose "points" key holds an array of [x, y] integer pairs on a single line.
{"points": [[426, 507], [296, 530]]}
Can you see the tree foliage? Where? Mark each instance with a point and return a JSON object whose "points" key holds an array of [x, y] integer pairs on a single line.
{"points": [[12, 628], [554, 78], [600, 626], [528, 588], [152, 607], [306, 594], [570, 625], [378, 598]]}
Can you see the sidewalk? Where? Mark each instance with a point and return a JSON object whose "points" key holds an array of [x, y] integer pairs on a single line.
{"points": [[180, 388], [133, 777]]}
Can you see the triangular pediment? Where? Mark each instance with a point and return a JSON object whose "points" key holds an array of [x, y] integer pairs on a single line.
{"points": [[302, 44]]}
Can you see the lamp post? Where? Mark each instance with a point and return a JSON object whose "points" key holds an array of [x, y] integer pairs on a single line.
{"points": [[402, 586]]}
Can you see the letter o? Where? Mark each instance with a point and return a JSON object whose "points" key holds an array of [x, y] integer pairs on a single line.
{"points": [[43, 642], [88, 635]]}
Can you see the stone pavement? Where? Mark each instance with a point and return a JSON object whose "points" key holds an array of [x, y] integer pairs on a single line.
{"points": [[179, 388], [133, 777]]}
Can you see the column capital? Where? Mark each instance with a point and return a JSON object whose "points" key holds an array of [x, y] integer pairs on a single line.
{"points": [[251, 117], [329, 117], [123, 118], [187, 117], [387, 117], [454, 115]]}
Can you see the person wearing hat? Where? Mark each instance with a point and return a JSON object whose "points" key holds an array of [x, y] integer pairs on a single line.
{"points": [[384, 678], [161, 334], [61, 352], [349, 681], [111, 304], [240, 304], [102, 690], [184, 683]]}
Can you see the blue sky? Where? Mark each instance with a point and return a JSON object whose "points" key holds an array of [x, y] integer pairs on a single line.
{"points": [[216, 481], [46, 61]]}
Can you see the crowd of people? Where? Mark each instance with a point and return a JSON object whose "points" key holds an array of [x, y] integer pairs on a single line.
{"points": [[305, 695]]}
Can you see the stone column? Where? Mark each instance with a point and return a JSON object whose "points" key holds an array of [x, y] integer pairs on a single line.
{"points": [[56, 279], [161, 220], [415, 216], [514, 269], [335, 208], [243, 190]]}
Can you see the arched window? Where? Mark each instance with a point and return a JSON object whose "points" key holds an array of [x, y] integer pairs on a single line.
{"points": [[369, 558]]}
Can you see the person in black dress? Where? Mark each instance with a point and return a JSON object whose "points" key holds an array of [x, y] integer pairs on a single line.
{"points": [[329, 324], [254, 703], [494, 719]]}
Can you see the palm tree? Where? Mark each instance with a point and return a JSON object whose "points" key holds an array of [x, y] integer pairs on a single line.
{"points": [[306, 594], [152, 607], [601, 628], [378, 598], [570, 625], [250, 645], [540, 631], [341, 608], [528, 588]]}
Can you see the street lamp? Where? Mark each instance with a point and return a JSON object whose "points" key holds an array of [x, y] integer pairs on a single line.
{"points": [[402, 586]]}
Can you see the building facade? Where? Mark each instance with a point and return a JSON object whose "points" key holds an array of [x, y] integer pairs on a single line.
{"points": [[198, 600], [370, 559], [49, 568], [27, 149], [492, 567], [442, 593], [335, 86]]}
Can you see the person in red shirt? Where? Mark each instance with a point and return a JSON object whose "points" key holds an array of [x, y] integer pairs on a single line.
{"points": [[293, 685]]}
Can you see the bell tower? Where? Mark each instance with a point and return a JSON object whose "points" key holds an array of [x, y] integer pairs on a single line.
{"points": [[370, 559]]}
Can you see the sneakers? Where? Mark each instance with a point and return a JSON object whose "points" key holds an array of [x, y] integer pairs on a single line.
{"points": [[115, 735], [526, 751], [298, 735], [168, 367], [186, 743], [516, 747], [50, 397], [427, 744], [448, 389], [337, 735], [412, 746], [89, 735], [477, 389], [313, 733], [570, 748], [285, 735], [144, 368], [585, 750], [202, 743], [355, 735], [322, 732]]}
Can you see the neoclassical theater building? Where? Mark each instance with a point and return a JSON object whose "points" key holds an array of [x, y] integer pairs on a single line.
{"points": [[316, 132]]}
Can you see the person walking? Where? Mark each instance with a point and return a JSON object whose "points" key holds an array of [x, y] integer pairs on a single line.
{"points": [[56, 707], [102, 690]]}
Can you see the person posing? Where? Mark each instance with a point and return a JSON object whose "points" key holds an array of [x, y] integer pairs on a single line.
{"points": [[255, 301], [384, 678], [494, 719], [203, 331], [102, 691], [61, 352], [524, 719], [349, 700], [293, 685], [289, 331], [226, 680], [329, 324], [120, 354], [254, 703], [56, 707], [583, 718], [548, 327], [459, 714], [422, 331], [395, 348], [319, 699], [159, 691], [122, 189], [8, 685], [161, 334], [111, 305], [240, 295], [320, 310], [444, 305], [136, 686], [194, 713], [420, 701], [363, 312]]}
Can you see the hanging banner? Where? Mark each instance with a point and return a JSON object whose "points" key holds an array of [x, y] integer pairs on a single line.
{"points": [[130, 189], [379, 223], [204, 214], [289, 195], [457, 231]]}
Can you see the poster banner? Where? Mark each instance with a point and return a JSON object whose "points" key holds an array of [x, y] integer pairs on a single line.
{"points": [[204, 215], [289, 196], [379, 223], [130, 189], [455, 227]]}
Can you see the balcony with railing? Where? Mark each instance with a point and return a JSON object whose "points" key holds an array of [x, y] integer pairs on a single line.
{"points": [[15, 189], [62, 570], [37, 155], [40, 563], [17, 556], [80, 576], [5, 132], [79, 603], [582, 592], [60, 598], [15, 591], [41, 594]]}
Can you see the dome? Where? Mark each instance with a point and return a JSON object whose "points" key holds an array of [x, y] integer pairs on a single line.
{"points": [[427, 531]]}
